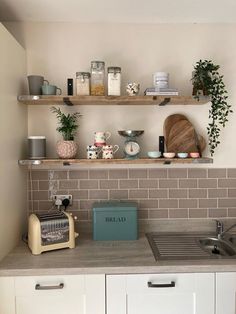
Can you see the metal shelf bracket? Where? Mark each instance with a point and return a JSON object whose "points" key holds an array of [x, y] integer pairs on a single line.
{"points": [[67, 101], [165, 101]]}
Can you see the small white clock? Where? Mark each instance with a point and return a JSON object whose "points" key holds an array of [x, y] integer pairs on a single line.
{"points": [[131, 149]]}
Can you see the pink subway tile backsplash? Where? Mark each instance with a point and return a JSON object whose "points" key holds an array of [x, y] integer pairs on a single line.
{"points": [[138, 173], [118, 174], [158, 213], [128, 184], [88, 184], [108, 184], [178, 213], [158, 193], [157, 173], [197, 173], [178, 193], [231, 173], [177, 173], [78, 174], [136, 194], [118, 194], [161, 193], [98, 174], [165, 183]]}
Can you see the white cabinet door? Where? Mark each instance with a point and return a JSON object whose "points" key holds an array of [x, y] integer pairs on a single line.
{"points": [[60, 294], [7, 295], [225, 293], [161, 294]]}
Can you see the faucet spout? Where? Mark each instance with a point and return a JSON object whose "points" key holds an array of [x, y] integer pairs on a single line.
{"points": [[219, 228]]}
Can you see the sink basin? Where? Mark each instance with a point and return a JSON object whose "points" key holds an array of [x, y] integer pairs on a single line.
{"points": [[232, 239], [217, 247], [177, 246]]}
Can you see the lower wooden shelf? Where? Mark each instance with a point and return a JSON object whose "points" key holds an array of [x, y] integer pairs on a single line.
{"points": [[90, 162]]}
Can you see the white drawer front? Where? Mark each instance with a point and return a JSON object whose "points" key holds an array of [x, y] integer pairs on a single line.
{"points": [[160, 294], [53, 285]]}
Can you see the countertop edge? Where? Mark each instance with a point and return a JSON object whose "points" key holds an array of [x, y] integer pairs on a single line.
{"points": [[119, 270]]}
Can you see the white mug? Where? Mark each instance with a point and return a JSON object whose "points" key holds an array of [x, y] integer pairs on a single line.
{"points": [[100, 138], [108, 151], [93, 151]]}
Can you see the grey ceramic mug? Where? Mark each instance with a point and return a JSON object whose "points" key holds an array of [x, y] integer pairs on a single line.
{"points": [[50, 90], [35, 84]]}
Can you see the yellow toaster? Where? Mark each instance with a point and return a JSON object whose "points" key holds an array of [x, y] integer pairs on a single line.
{"points": [[52, 230]]}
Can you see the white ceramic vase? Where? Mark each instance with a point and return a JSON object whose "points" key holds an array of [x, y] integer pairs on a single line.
{"points": [[66, 149]]}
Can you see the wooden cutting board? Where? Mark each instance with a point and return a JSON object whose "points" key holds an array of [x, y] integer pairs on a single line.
{"points": [[169, 122], [182, 138]]}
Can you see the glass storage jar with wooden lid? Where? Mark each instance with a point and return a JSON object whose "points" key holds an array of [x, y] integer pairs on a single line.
{"points": [[83, 83], [98, 78]]}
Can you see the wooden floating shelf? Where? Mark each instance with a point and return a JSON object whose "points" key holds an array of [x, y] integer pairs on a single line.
{"points": [[110, 100], [138, 161]]}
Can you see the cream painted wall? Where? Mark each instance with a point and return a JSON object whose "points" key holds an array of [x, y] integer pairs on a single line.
{"points": [[13, 131], [58, 50]]}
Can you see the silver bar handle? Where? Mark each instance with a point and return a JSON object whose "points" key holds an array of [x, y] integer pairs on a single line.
{"points": [[57, 287], [161, 285]]}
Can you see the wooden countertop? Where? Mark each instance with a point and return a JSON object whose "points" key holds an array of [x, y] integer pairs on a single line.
{"points": [[102, 257]]}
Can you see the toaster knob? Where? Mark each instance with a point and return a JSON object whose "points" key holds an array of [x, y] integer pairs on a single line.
{"points": [[74, 217]]}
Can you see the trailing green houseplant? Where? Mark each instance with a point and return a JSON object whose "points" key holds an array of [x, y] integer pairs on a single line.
{"points": [[68, 126], [208, 81]]}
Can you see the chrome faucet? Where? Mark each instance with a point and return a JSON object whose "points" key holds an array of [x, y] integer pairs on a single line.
{"points": [[219, 228], [220, 232]]}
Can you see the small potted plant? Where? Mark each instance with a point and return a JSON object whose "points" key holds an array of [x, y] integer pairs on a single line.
{"points": [[68, 125], [208, 81]]}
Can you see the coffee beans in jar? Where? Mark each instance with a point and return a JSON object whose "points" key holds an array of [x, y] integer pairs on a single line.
{"points": [[98, 78], [114, 81], [83, 83]]}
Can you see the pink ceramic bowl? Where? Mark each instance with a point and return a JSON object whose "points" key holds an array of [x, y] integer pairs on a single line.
{"points": [[169, 155], [194, 154]]}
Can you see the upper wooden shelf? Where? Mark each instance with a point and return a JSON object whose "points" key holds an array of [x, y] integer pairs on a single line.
{"points": [[109, 100], [90, 162]]}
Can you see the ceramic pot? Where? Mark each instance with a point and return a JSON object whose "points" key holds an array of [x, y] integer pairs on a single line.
{"points": [[66, 149]]}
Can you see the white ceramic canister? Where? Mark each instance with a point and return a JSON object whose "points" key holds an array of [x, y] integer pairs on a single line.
{"points": [[114, 81], [161, 79]]}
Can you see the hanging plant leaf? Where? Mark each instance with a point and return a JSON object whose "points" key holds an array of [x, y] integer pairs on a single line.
{"points": [[208, 81]]}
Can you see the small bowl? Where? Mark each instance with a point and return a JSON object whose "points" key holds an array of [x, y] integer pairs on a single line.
{"points": [[169, 155], [182, 155], [194, 155], [154, 154]]}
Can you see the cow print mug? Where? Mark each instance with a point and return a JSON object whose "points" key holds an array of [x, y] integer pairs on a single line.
{"points": [[108, 151], [93, 152]]}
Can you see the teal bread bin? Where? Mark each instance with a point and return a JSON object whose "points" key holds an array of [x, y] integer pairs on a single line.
{"points": [[114, 220]]}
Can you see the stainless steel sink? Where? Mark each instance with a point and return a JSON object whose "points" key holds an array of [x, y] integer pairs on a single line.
{"points": [[178, 246], [232, 239], [217, 246]]}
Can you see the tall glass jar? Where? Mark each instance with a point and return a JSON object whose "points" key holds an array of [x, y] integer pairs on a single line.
{"points": [[83, 83], [114, 81], [97, 78]]}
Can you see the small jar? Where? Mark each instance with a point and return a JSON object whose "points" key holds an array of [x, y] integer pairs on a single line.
{"points": [[98, 78], [114, 81], [83, 83]]}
